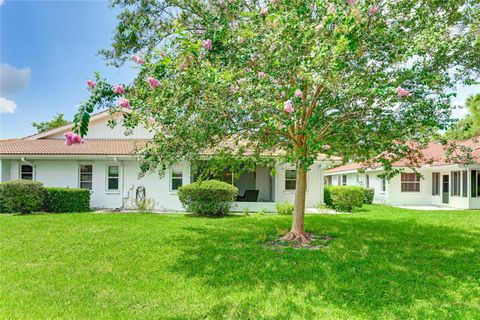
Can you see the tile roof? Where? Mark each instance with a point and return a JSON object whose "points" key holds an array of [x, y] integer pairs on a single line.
{"points": [[57, 147], [433, 154]]}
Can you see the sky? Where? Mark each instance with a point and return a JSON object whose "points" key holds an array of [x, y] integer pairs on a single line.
{"points": [[48, 50]]}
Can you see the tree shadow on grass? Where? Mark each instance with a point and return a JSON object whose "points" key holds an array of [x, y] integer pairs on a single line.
{"points": [[373, 267]]}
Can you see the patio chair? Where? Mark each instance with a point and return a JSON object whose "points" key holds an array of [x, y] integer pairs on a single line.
{"points": [[249, 196]]}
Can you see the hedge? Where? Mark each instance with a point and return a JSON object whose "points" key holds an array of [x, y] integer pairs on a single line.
{"points": [[208, 198], [67, 200], [369, 194], [21, 196], [344, 198], [285, 208]]}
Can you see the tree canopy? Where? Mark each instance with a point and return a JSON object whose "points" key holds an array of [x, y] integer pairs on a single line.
{"points": [[351, 78], [469, 126], [57, 121]]}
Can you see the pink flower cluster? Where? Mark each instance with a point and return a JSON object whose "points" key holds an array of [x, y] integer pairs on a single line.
{"points": [[373, 10], [402, 92], [351, 2], [137, 58], [331, 9], [298, 94], [91, 84], [264, 11], [153, 83], [118, 89], [234, 88], [262, 75], [326, 147], [72, 138], [207, 44], [288, 106], [124, 103], [240, 40]]}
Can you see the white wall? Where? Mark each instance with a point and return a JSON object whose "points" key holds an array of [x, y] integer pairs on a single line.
{"points": [[359, 179]]}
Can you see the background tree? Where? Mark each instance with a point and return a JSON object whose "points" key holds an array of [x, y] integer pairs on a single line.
{"points": [[469, 126], [56, 122], [249, 78]]}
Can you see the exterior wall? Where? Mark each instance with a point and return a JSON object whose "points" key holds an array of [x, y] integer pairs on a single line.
{"points": [[100, 130], [359, 179], [4, 170]]}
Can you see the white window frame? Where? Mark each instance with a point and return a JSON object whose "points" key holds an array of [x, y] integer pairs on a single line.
{"points": [[107, 175], [80, 175], [290, 179], [436, 183], [412, 182], [20, 169], [455, 184], [172, 171]]}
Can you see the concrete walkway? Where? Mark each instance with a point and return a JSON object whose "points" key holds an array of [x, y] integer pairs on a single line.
{"points": [[428, 208]]}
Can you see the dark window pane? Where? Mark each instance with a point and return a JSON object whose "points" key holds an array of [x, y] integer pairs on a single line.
{"points": [[176, 183], [27, 176], [27, 168], [86, 168], [86, 177], [86, 185], [112, 183], [290, 174], [177, 174], [113, 171], [290, 184]]}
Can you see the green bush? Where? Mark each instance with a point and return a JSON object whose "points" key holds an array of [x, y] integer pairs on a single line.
{"points": [[21, 196], [327, 196], [345, 198], [285, 208], [369, 194], [66, 200], [208, 198]]}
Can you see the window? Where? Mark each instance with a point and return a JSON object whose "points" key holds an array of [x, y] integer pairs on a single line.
{"points": [[435, 183], [86, 176], [455, 183], [464, 183], [112, 178], [339, 180], [26, 172], [177, 179], [367, 181], [344, 180], [384, 185], [473, 183], [328, 181], [410, 182], [290, 179]]}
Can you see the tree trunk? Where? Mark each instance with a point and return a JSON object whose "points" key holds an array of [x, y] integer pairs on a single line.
{"points": [[297, 232]]}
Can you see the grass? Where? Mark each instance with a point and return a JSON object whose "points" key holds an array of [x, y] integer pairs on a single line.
{"points": [[384, 263]]}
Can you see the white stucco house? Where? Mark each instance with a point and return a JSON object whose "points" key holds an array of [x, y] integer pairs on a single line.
{"points": [[105, 164], [442, 183]]}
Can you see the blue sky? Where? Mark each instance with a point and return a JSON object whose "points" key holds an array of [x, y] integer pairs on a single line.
{"points": [[48, 50]]}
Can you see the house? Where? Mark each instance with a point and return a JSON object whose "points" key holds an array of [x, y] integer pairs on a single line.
{"points": [[441, 182], [106, 165]]}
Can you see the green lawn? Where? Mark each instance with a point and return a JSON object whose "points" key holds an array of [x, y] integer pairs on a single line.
{"points": [[384, 263]]}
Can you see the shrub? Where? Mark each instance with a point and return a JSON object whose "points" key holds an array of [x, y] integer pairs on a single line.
{"points": [[285, 208], [345, 198], [21, 196], [369, 194], [67, 200], [327, 196], [208, 198]]}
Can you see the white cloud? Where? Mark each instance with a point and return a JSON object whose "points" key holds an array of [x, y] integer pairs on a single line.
{"points": [[7, 106], [13, 79]]}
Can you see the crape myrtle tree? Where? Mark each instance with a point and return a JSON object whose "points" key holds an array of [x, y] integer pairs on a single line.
{"points": [[306, 77]]}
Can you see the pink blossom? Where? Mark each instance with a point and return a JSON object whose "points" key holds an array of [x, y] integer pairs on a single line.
{"points": [[299, 93], [207, 44], [163, 54], [91, 84], [351, 2], [118, 89], [124, 103], [326, 147], [402, 92], [182, 66], [240, 40], [264, 10], [373, 10], [234, 88], [288, 106], [318, 28], [137, 58], [262, 75], [331, 9], [283, 94], [153, 83], [72, 138]]}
